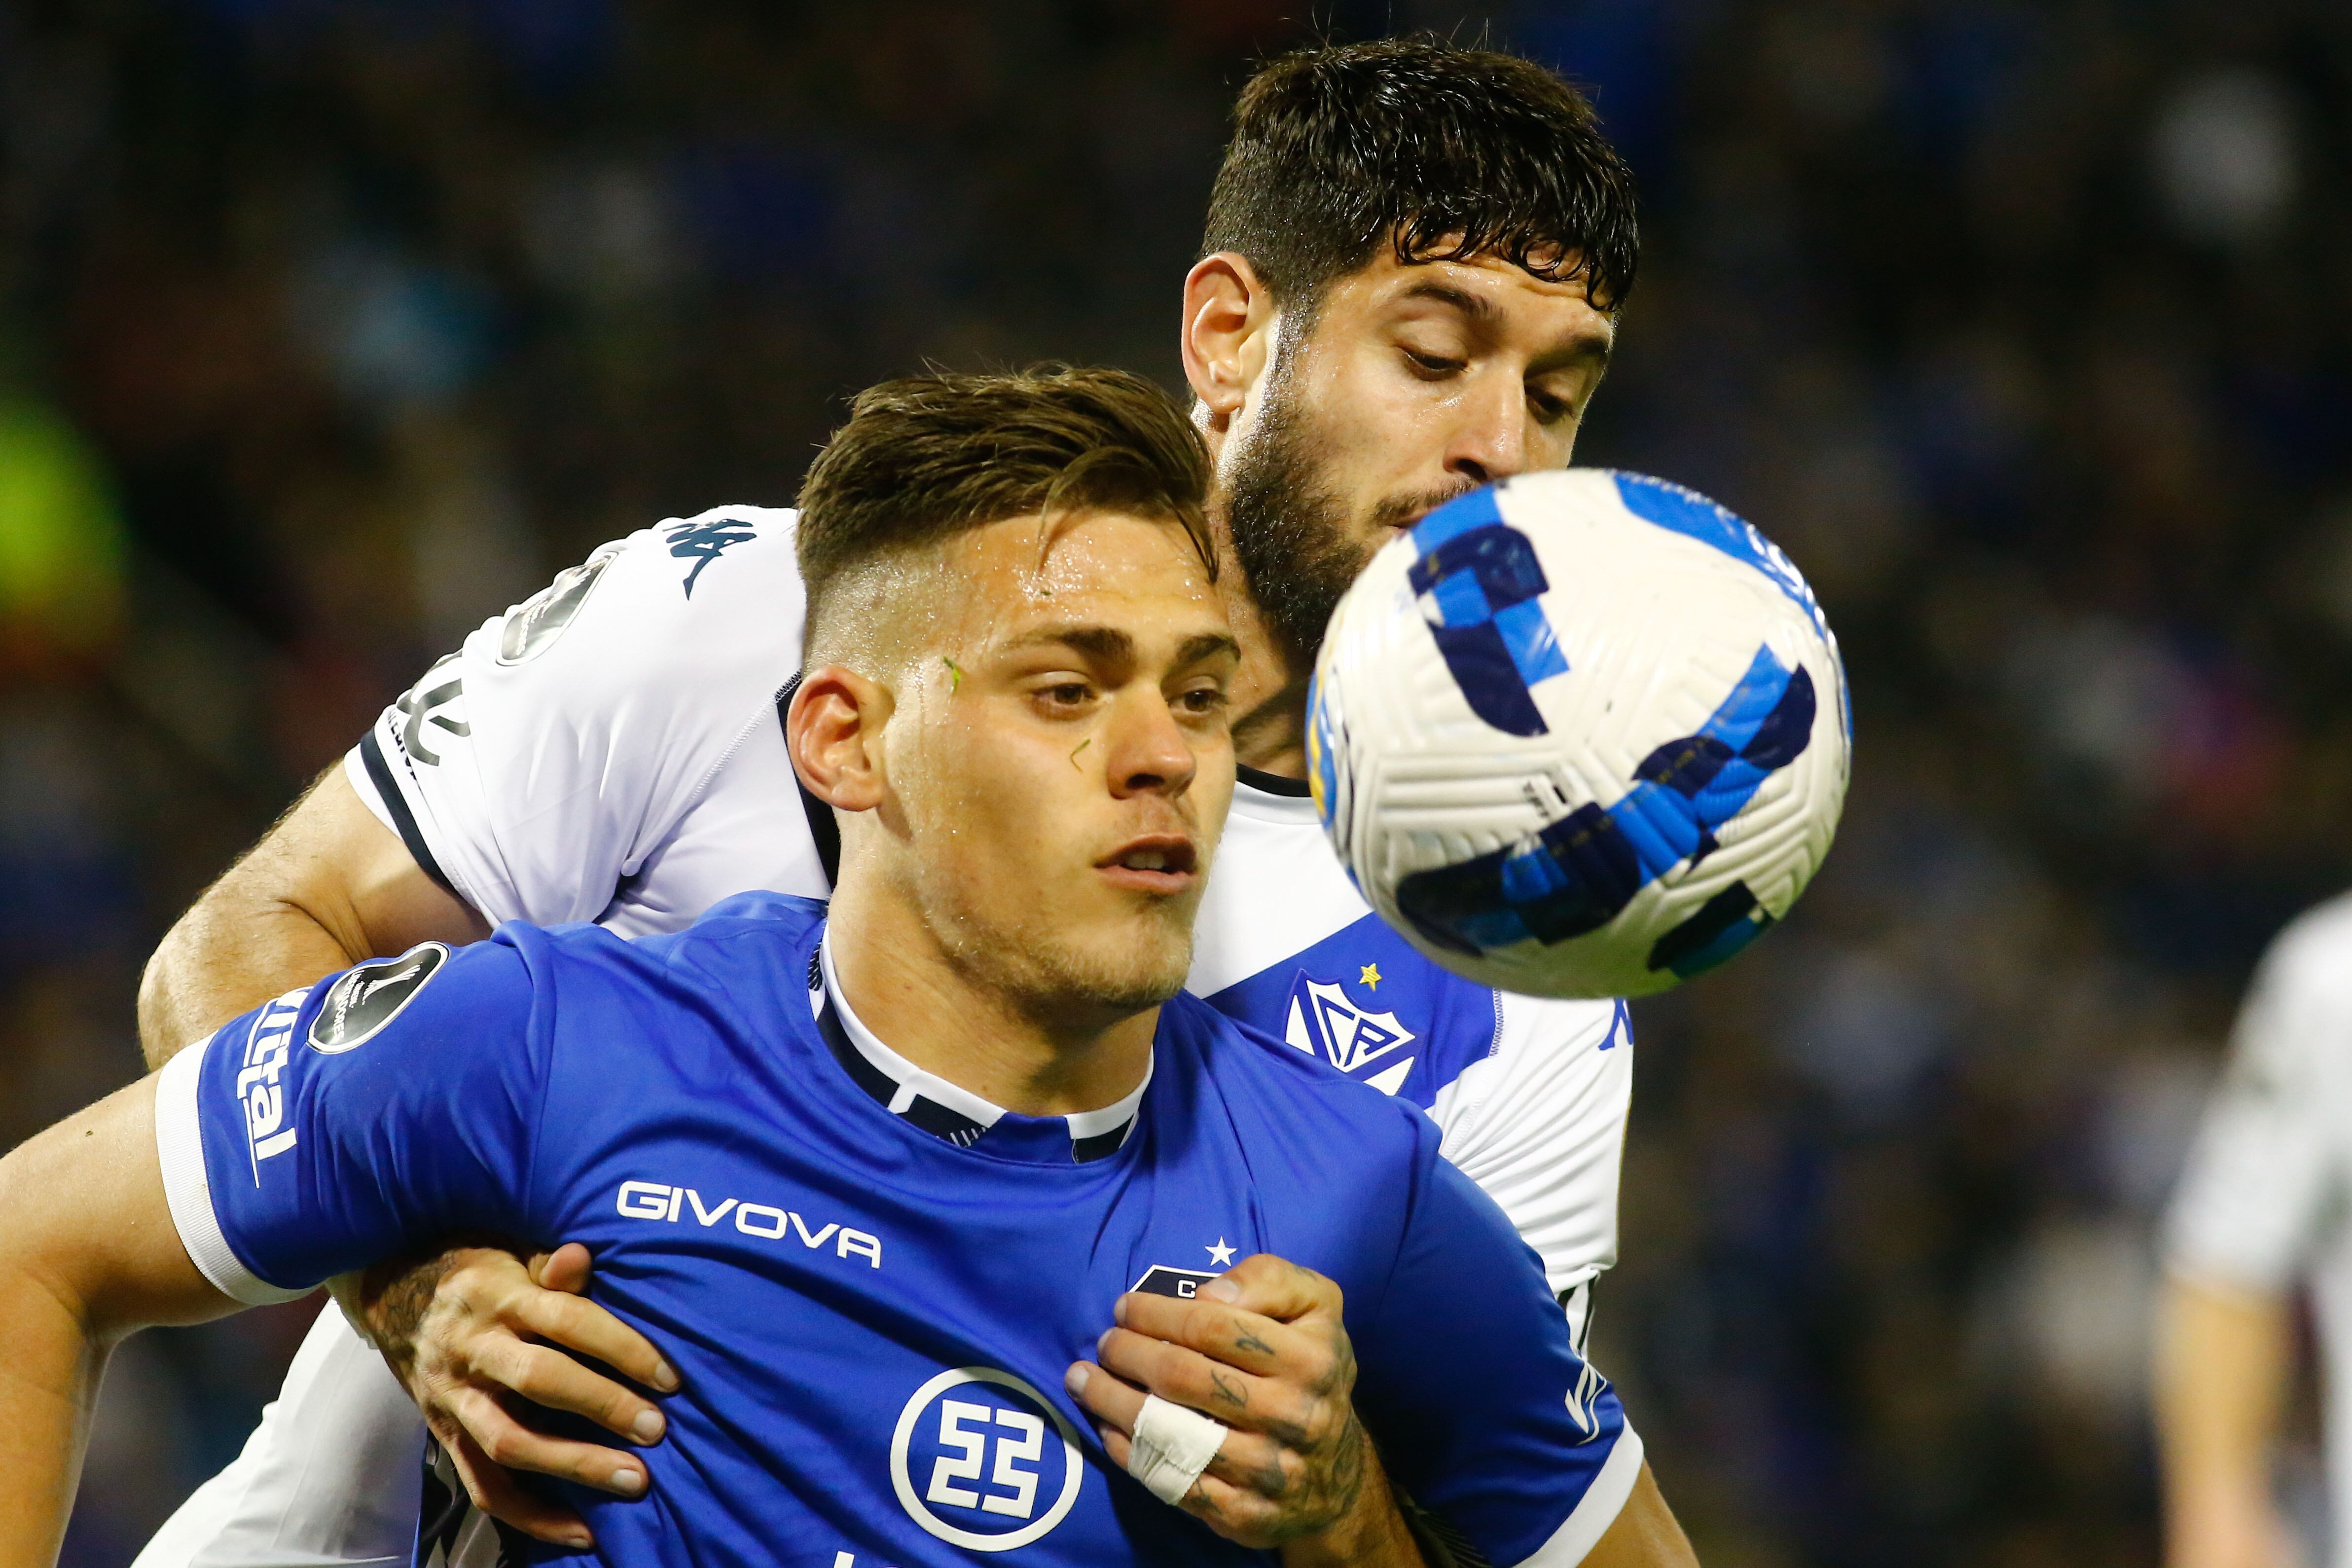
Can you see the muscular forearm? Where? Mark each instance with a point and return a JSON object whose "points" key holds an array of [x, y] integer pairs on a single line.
{"points": [[47, 1381], [88, 1252], [329, 887], [233, 950]]}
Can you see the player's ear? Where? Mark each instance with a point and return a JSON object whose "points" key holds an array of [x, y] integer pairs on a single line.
{"points": [[1228, 337], [834, 731]]}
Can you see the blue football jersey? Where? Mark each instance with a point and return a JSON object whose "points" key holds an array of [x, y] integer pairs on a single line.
{"points": [[871, 1294]]}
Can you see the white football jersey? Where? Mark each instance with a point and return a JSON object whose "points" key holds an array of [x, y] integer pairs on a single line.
{"points": [[613, 750], [2265, 1204]]}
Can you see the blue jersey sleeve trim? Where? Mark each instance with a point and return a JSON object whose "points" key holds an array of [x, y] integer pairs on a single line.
{"points": [[187, 1188], [1602, 1501]]}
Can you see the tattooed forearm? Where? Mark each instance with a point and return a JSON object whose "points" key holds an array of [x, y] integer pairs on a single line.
{"points": [[1348, 1467]]}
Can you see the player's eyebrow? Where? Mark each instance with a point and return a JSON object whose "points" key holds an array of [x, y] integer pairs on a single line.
{"points": [[1111, 646], [1207, 646], [1105, 645], [1592, 347], [1478, 307]]}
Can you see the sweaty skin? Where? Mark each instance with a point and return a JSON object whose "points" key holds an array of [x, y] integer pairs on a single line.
{"points": [[1409, 385]]}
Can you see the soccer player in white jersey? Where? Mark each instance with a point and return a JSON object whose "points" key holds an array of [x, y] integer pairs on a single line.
{"points": [[1414, 260], [2264, 1210]]}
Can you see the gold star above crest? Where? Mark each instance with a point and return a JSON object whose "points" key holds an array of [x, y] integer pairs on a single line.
{"points": [[1370, 977]]}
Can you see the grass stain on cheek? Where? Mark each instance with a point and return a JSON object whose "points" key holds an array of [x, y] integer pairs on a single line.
{"points": [[955, 673], [1081, 746]]}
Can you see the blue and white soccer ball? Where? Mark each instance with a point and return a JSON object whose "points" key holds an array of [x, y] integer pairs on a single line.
{"points": [[1581, 733]]}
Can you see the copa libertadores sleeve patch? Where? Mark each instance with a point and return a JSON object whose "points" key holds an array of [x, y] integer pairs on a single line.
{"points": [[366, 999]]}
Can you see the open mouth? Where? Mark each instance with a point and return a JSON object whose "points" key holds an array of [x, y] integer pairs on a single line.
{"points": [[1158, 863]]}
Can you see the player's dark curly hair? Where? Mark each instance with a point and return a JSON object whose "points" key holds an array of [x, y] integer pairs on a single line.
{"points": [[925, 457], [1441, 151]]}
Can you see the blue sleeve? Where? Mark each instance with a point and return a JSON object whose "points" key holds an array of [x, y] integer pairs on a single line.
{"points": [[393, 1105], [1486, 1417]]}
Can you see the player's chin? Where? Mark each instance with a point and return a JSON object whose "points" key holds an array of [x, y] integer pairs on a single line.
{"points": [[1144, 961]]}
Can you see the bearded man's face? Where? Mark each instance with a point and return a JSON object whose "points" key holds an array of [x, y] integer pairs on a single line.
{"points": [[1401, 387]]}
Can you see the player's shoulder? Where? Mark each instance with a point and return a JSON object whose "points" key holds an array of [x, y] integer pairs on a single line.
{"points": [[1279, 1092], [688, 597], [752, 945], [745, 954]]}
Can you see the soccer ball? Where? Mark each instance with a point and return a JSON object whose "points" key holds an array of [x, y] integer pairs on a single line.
{"points": [[1581, 733]]}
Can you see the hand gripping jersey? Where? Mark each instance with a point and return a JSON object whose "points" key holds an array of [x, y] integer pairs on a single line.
{"points": [[612, 751], [870, 1296], [2265, 1204]]}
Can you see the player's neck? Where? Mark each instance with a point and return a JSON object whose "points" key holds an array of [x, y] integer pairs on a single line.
{"points": [[1268, 693], [1036, 1057]]}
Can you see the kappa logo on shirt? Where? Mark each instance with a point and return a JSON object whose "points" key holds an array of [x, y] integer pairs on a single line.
{"points": [[1323, 1020], [703, 542], [973, 1464]]}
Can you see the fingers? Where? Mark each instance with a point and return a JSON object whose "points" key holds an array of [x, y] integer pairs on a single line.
{"points": [[1284, 1406], [583, 1326], [496, 1493], [507, 1443], [1264, 1416], [1231, 1499], [1250, 1341], [565, 1269], [1275, 1288], [1107, 1398], [550, 1378]]}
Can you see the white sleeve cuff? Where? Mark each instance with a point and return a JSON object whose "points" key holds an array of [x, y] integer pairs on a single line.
{"points": [[1603, 1501], [180, 1147]]}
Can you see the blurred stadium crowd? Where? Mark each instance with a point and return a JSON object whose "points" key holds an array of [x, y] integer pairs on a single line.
{"points": [[329, 327]]}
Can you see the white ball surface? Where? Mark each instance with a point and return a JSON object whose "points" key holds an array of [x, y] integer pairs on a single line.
{"points": [[1581, 733]]}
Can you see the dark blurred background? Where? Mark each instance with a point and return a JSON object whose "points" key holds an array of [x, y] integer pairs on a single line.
{"points": [[329, 327]]}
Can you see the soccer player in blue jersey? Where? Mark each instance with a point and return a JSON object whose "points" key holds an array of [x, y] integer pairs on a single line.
{"points": [[1408, 285], [912, 1193]]}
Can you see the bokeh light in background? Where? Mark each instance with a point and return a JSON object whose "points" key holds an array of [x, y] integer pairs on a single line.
{"points": [[332, 326]]}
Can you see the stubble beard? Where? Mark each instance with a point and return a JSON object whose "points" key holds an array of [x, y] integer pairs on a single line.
{"points": [[1289, 525], [1043, 972]]}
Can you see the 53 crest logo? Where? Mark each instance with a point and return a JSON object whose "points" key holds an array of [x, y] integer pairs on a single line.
{"points": [[982, 1461]]}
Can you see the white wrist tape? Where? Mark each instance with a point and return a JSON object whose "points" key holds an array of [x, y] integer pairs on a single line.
{"points": [[1171, 1447]]}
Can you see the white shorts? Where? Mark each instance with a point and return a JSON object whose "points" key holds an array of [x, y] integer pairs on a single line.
{"points": [[330, 1478]]}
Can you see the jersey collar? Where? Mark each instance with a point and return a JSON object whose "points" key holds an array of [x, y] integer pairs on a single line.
{"points": [[948, 1110], [1270, 797]]}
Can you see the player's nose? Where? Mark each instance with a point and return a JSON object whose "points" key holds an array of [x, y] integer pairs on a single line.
{"points": [[1148, 749], [1489, 441]]}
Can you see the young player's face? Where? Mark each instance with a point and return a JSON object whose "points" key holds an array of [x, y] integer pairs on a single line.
{"points": [[1411, 385], [1060, 760]]}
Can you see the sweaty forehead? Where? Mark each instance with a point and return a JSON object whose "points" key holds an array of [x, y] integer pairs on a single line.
{"points": [[994, 584]]}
